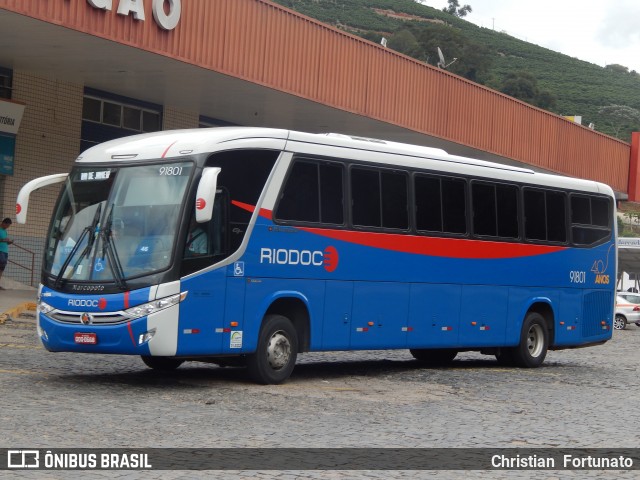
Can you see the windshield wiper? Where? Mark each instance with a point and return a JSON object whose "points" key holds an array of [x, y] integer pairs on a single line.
{"points": [[111, 253], [88, 230]]}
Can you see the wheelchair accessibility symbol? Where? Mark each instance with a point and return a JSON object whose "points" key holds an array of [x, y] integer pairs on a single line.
{"points": [[238, 269]]}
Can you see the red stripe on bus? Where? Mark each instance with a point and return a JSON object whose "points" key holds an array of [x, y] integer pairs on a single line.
{"points": [[434, 246], [251, 208], [167, 150], [133, 340]]}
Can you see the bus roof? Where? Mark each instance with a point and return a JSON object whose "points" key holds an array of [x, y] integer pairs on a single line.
{"points": [[170, 144]]}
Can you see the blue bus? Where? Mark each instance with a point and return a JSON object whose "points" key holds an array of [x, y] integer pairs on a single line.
{"points": [[241, 245]]}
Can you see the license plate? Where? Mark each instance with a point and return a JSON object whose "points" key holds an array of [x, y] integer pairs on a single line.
{"points": [[85, 338]]}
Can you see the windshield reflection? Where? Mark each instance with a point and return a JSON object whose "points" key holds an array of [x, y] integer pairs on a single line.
{"points": [[112, 224]]}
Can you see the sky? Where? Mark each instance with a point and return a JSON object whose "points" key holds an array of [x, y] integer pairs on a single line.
{"points": [[597, 31]]}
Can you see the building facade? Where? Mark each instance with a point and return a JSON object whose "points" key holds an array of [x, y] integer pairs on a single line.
{"points": [[86, 71]]}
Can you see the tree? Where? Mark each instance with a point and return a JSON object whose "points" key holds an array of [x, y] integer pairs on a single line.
{"points": [[404, 41], [521, 85], [473, 60], [524, 86], [616, 67], [454, 8], [620, 116], [546, 100]]}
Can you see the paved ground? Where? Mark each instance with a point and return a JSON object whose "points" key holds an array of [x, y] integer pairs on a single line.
{"points": [[580, 398]]}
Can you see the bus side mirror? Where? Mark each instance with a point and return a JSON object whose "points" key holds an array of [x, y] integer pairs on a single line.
{"points": [[206, 194], [22, 203]]}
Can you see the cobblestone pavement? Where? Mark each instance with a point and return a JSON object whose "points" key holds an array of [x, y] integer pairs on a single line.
{"points": [[583, 398]]}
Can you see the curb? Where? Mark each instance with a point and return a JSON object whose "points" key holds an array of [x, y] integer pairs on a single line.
{"points": [[17, 311]]}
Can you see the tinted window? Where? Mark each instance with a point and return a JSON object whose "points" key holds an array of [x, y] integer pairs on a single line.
{"points": [[313, 193], [545, 215], [379, 198], [556, 217], [428, 204], [589, 219], [395, 208], [131, 118], [242, 190], [300, 200], [111, 114], [507, 204], [440, 204], [495, 210], [331, 194], [365, 198], [535, 224], [580, 210], [91, 109], [454, 205], [484, 209]]}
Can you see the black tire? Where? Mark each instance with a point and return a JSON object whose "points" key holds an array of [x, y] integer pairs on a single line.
{"points": [[620, 323], [505, 358], [434, 357], [534, 342], [163, 364], [275, 356]]}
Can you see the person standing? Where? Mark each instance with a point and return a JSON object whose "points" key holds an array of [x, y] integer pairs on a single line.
{"points": [[5, 241]]}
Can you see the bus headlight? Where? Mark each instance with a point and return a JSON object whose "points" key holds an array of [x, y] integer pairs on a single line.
{"points": [[44, 307], [155, 306]]}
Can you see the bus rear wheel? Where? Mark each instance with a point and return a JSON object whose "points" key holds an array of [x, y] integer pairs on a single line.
{"points": [[277, 350], [534, 342], [434, 356], [163, 364]]}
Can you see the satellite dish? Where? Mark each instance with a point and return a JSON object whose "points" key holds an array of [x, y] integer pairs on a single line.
{"points": [[441, 62], [383, 42]]}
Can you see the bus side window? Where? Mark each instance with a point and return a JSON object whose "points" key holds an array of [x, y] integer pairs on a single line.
{"points": [[589, 219], [313, 193]]}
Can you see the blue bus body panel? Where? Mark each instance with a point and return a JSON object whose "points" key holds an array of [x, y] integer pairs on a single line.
{"points": [[368, 291], [201, 320], [119, 338], [425, 292]]}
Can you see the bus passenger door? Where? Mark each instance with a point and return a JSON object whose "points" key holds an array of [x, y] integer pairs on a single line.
{"points": [[380, 314], [336, 326], [202, 314]]}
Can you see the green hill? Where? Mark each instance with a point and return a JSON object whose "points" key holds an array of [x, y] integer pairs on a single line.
{"points": [[565, 85]]}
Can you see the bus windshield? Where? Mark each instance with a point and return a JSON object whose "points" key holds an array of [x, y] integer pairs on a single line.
{"points": [[114, 223]]}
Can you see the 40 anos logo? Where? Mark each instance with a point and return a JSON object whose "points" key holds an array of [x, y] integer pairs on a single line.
{"points": [[312, 258]]}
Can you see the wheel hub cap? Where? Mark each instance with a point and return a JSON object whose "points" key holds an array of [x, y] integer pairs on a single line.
{"points": [[278, 351], [534, 340]]}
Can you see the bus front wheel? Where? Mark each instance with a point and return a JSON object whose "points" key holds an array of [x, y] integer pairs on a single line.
{"points": [[534, 342], [277, 350], [164, 364]]}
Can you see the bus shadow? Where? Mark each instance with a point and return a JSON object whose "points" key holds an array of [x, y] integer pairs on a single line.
{"points": [[378, 368], [194, 375]]}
